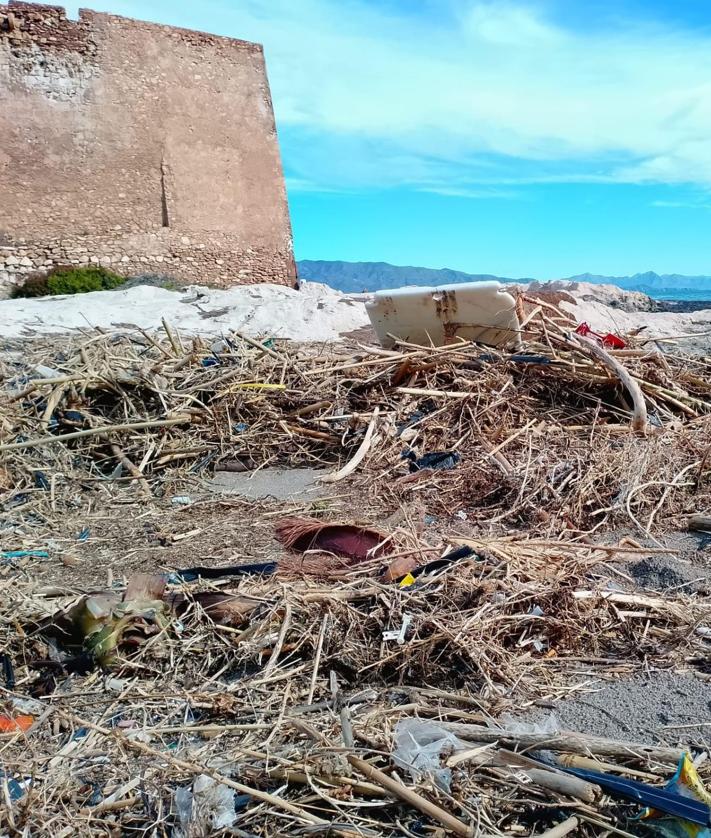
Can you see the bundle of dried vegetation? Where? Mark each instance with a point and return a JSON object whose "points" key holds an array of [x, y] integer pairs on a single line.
{"points": [[281, 709]]}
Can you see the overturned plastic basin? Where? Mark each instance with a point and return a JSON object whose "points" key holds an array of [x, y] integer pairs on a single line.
{"points": [[480, 311]]}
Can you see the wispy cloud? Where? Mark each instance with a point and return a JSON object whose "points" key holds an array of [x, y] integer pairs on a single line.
{"points": [[422, 102], [700, 204], [299, 184], [477, 194], [477, 94]]}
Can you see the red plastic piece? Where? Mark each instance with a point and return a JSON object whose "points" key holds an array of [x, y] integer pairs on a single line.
{"points": [[609, 340], [13, 725]]}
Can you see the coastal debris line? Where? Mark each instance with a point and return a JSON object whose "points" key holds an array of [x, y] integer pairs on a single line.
{"points": [[489, 477], [553, 432]]}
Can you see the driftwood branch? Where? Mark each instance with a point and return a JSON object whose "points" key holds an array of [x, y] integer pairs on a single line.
{"points": [[566, 741], [639, 415], [544, 776]]}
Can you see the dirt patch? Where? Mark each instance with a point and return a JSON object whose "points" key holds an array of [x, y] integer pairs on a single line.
{"points": [[686, 568], [663, 573], [124, 536], [663, 707], [128, 538]]}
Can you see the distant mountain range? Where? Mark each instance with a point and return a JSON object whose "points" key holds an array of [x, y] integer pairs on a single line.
{"points": [[355, 277], [656, 285]]}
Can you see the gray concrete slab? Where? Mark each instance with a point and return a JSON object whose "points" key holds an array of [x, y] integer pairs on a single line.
{"points": [[279, 483]]}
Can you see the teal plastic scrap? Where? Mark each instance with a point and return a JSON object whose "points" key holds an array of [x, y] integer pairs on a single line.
{"points": [[23, 554]]}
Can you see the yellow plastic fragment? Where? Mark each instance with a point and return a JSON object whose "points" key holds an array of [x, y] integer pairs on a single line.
{"points": [[258, 385]]}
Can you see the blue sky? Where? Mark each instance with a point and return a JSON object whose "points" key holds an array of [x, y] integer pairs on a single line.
{"points": [[526, 138]]}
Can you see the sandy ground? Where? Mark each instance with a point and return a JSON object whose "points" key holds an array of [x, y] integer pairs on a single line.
{"points": [[316, 312], [662, 707]]}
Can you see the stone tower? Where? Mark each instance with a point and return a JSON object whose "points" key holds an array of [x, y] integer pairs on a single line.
{"points": [[146, 148]]}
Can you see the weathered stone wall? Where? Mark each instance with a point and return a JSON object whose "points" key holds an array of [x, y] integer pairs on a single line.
{"points": [[142, 147]]}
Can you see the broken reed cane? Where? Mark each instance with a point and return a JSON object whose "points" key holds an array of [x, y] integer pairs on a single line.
{"points": [[409, 796]]}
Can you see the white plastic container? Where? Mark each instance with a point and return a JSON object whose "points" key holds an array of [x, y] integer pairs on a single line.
{"points": [[481, 311]]}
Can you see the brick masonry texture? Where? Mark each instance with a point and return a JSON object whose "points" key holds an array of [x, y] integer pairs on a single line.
{"points": [[142, 147]]}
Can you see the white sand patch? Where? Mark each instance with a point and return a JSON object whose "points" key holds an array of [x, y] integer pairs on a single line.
{"points": [[316, 312]]}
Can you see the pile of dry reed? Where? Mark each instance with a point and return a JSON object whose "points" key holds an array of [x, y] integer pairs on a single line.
{"points": [[561, 433], [297, 712]]}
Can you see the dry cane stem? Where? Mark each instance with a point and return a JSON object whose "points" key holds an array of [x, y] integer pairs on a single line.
{"points": [[563, 828], [409, 796]]}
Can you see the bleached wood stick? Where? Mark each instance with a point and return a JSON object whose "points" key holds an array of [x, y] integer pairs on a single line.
{"points": [[353, 464], [639, 415], [566, 741], [563, 828]]}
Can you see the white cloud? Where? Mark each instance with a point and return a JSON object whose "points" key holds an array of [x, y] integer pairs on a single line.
{"points": [[299, 184], [689, 204], [476, 93], [507, 24], [497, 92], [482, 192]]}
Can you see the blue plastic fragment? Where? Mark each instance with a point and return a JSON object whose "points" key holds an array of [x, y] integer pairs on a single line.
{"points": [[14, 788], [434, 460], [96, 796], [74, 417], [663, 800], [22, 554]]}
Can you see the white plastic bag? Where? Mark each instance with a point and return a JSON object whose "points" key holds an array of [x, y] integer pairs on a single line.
{"points": [[206, 809], [419, 747], [547, 723]]}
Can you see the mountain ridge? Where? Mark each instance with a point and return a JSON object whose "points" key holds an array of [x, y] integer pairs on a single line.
{"points": [[356, 277]]}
